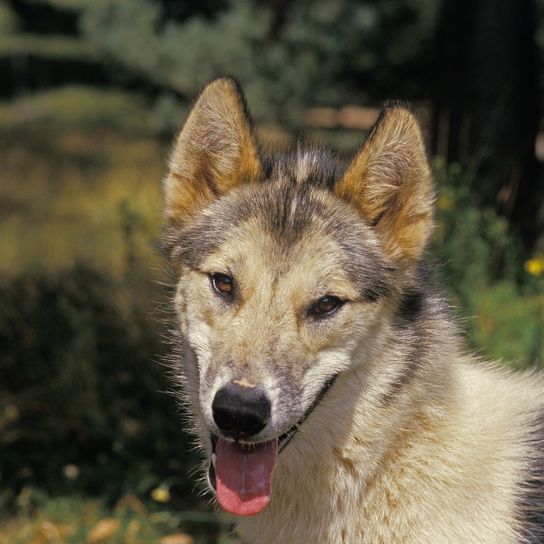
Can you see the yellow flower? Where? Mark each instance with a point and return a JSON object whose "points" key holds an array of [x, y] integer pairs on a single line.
{"points": [[535, 266], [160, 494]]}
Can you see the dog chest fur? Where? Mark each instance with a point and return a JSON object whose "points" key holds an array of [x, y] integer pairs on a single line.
{"points": [[421, 486]]}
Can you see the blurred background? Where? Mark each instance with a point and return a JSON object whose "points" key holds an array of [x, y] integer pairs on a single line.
{"points": [[92, 92]]}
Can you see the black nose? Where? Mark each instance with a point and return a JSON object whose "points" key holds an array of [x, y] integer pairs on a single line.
{"points": [[240, 411]]}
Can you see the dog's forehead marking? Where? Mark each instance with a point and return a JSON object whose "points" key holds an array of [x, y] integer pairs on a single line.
{"points": [[293, 210], [306, 162], [305, 166]]}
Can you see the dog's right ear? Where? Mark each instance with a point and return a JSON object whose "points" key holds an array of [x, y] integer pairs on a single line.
{"points": [[214, 152]]}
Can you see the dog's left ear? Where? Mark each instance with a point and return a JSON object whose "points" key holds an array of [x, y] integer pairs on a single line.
{"points": [[389, 182], [214, 152]]}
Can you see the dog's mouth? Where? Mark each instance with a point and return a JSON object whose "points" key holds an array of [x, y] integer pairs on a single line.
{"points": [[241, 473]]}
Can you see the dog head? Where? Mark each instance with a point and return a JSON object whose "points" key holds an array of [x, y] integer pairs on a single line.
{"points": [[289, 270]]}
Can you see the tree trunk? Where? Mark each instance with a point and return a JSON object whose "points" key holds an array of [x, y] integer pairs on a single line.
{"points": [[486, 104]]}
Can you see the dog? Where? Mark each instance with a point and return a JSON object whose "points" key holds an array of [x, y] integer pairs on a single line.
{"points": [[327, 382]]}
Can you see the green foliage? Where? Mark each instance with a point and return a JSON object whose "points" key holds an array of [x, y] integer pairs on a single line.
{"points": [[81, 388], [473, 241], [304, 62], [76, 106], [482, 265], [510, 325]]}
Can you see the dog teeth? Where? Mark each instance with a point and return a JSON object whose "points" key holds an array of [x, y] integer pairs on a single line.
{"points": [[213, 459]]}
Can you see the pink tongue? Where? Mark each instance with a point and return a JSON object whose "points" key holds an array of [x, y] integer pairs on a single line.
{"points": [[243, 475]]}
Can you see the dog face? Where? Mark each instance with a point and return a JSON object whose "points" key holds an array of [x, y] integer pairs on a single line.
{"points": [[289, 273], [275, 310]]}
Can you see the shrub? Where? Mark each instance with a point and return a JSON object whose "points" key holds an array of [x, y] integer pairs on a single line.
{"points": [[82, 403], [482, 265]]}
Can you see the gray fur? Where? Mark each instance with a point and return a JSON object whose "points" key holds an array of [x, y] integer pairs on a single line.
{"points": [[270, 203]]}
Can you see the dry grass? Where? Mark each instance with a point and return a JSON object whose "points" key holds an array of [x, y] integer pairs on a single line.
{"points": [[74, 520], [79, 198]]}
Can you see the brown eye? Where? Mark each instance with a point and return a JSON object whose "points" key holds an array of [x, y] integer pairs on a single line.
{"points": [[222, 284], [325, 306]]}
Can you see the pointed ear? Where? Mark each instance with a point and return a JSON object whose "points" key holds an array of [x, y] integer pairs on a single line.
{"points": [[214, 152], [390, 183]]}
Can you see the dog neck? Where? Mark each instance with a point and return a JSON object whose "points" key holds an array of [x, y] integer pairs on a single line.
{"points": [[331, 465]]}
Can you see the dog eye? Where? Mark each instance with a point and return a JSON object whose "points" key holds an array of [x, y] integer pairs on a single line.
{"points": [[222, 284], [325, 306]]}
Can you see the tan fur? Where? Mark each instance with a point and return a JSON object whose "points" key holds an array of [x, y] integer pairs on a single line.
{"points": [[416, 442], [389, 181], [449, 476], [214, 152]]}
